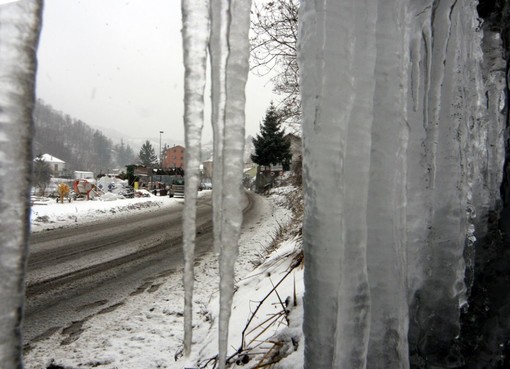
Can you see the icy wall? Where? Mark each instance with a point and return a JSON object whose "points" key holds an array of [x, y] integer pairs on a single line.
{"points": [[403, 123], [19, 33]]}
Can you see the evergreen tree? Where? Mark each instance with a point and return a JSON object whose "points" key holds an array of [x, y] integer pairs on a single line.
{"points": [[147, 155], [124, 154], [271, 147], [130, 154], [41, 174], [164, 155], [120, 152], [102, 149]]}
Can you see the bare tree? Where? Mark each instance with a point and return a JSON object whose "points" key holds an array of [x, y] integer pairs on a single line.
{"points": [[274, 27]]}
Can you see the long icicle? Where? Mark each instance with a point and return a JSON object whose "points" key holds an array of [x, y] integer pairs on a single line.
{"points": [[19, 35], [233, 148], [229, 77], [195, 19], [218, 51]]}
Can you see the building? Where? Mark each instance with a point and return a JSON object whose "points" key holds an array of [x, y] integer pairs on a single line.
{"points": [[174, 157], [207, 168], [296, 148], [57, 165], [81, 174]]}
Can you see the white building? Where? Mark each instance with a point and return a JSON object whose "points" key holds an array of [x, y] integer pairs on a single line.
{"points": [[57, 165]]}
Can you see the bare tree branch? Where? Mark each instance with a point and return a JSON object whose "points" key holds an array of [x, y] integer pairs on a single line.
{"points": [[273, 50]]}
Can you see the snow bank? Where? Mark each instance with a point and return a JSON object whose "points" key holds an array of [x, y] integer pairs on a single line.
{"points": [[47, 214]]}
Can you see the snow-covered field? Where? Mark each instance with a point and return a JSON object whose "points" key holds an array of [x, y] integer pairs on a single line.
{"points": [[48, 214], [147, 330]]}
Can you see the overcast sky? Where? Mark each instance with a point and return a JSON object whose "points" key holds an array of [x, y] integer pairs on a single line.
{"points": [[117, 65]]}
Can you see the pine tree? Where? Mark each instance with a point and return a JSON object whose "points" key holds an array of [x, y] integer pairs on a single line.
{"points": [[271, 147], [147, 155], [124, 154], [130, 154], [41, 174]]}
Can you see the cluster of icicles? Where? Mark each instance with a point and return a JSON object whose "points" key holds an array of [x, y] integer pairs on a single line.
{"points": [[402, 149], [402, 135], [403, 127], [222, 27]]}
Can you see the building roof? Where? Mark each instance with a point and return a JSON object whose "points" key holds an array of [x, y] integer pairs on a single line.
{"points": [[51, 159], [176, 147], [293, 135]]}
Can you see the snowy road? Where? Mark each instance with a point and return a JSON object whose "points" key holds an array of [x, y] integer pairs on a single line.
{"points": [[76, 273], [60, 256], [145, 330]]}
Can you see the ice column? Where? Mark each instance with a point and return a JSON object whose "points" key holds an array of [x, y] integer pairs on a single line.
{"points": [[401, 151], [232, 153], [218, 51], [438, 177], [195, 18], [337, 61], [386, 210], [19, 34]]}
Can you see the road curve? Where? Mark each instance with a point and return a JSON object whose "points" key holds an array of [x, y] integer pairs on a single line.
{"points": [[76, 273]]}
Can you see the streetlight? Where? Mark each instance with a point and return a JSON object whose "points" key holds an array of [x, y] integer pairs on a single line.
{"points": [[160, 161]]}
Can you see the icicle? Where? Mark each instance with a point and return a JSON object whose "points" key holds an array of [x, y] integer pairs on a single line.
{"points": [[19, 34], [229, 48], [444, 196], [386, 213], [218, 51], [233, 149], [337, 61], [195, 39]]}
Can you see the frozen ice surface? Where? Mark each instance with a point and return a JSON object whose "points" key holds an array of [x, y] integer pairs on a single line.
{"points": [[402, 155]]}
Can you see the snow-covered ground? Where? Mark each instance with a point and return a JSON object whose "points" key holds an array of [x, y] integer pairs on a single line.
{"points": [[147, 330], [48, 214]]}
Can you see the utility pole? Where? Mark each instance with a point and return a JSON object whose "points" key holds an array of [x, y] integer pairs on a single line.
{"points": [[160, 153]]}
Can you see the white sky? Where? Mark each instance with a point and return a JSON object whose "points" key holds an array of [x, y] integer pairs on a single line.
{"points": [[117, 65]]}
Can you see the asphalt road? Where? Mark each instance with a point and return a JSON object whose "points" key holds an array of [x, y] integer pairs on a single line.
{"points": [[76, 273]]}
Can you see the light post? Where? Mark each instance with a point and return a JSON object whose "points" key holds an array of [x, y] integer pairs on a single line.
{"points": [[160, 161]]}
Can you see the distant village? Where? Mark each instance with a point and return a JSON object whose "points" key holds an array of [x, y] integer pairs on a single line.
{"points": [[156, 178]]}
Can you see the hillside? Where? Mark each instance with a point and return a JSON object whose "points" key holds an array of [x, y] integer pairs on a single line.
{"points": [[75, 142]]}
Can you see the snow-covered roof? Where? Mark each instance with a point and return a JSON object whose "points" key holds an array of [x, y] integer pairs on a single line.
{"points": [[51, 159], [294, 129], [293, 135]]}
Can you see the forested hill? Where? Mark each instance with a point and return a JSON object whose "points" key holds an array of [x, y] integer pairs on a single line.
{"points": [[79, 145]]}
